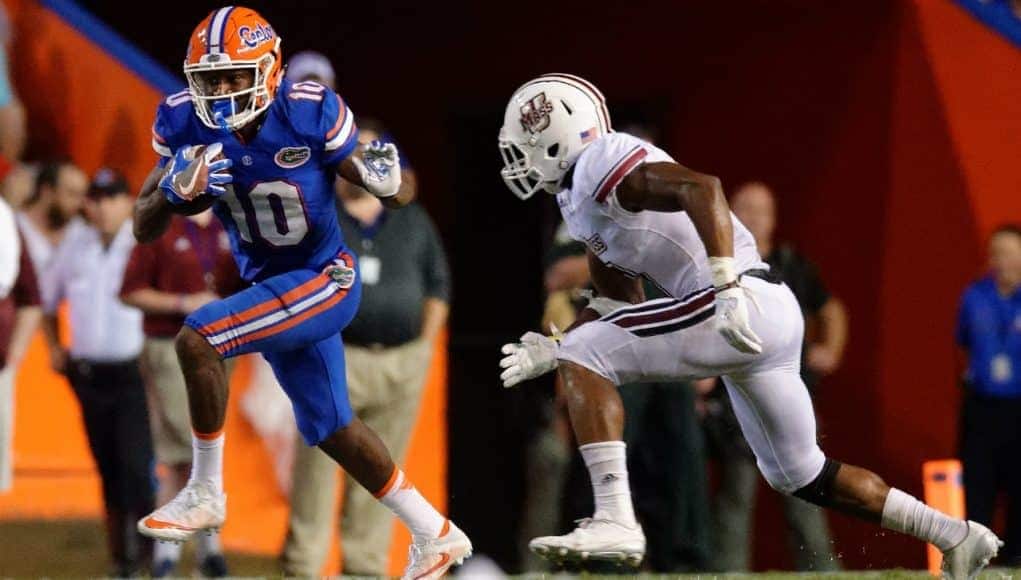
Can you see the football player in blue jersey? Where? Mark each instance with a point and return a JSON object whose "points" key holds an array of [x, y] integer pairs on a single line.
{"points": [[264, 153]]}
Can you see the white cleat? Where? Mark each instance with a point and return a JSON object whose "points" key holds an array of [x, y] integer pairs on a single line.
{"points": [[430, 558], [965, 560], [594, 539], [197, 508]]}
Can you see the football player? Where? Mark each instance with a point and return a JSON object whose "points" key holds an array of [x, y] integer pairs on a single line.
{"points": [[642, 215], [264, 152]]}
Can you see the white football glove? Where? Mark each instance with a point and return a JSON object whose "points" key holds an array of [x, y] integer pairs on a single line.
{"points": [[380, 168], [731, 318], [534, 356]]}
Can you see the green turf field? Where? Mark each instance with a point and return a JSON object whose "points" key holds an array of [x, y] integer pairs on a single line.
{"points": [[74, 549]]}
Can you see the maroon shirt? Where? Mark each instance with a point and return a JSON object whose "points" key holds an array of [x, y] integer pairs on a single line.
{"points": [[24, 293], [186, 259]]}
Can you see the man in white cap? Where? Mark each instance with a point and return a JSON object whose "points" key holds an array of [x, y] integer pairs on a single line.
{"points": [[309, 65]]}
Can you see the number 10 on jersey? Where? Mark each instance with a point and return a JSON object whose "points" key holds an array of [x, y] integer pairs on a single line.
{"points": [[275, 213]]}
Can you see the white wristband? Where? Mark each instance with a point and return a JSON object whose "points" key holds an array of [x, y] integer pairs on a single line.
{"points": [[722, 269]]}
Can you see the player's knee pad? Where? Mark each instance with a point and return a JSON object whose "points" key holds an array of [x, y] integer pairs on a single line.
{"points": [[820, 491]]}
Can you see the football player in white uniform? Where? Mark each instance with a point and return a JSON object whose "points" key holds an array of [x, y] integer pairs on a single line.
{"points": [[642, 215]]}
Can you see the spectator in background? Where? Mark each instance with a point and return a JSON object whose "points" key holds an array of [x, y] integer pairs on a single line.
{"points": [[12, 114], [825, 337], [102, 366], [17, 282], [184, 269], [19, 185], [50, 219], [388, 347], [309, 65], [10, 249], [20, 313], [989, 332]]}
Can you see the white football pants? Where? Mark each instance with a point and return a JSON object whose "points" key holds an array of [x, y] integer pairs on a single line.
{"points": [[670, 340]]}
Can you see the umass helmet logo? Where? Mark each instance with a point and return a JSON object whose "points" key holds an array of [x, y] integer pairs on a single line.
{"points": [[535, 113]]}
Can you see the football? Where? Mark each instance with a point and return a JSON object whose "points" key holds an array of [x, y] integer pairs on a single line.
{"points": [[195, 177]]}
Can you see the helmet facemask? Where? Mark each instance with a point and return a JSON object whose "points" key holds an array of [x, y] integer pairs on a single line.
{"points": [[522, 175], [233, 110]]}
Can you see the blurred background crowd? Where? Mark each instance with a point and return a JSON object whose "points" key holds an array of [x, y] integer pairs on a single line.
{"points": [[852, 161]]}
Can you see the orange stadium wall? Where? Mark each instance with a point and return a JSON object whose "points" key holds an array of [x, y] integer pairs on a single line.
{"points": [[91, 98]]}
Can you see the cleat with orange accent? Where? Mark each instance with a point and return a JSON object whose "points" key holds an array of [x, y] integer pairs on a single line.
{"points": [[197, 508], [429, 559]]}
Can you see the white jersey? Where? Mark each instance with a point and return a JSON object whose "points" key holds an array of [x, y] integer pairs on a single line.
{"points": [[662, 247]]}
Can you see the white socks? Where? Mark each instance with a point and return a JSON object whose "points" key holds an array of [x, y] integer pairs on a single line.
{"points": [[607, 467], [207, 459], [166, 551], [208, 544], [411, 508], [905, 514]]}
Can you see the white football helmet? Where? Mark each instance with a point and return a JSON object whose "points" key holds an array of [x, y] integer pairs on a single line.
{"points": [[549, 121]]}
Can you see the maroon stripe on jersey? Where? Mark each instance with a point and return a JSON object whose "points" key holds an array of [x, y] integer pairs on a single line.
{"points": [[670, 314], [623, 168]]}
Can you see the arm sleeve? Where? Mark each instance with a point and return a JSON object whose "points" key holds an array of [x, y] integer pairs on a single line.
{"points": [[338, 128], [437, 270], [140, 272]]}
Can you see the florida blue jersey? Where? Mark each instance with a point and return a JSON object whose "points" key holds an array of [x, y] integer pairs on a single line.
{"points": [[281, 214]]}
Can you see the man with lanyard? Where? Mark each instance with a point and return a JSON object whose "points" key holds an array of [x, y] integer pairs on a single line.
{"points": [[388, 348], [167, 280], [989, 332]]}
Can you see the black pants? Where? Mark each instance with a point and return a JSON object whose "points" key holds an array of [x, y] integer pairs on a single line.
{"points": [[990, 451], [116, 415]]}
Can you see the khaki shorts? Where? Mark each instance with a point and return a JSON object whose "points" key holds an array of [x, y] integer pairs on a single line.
{"points": [[168, 401]]}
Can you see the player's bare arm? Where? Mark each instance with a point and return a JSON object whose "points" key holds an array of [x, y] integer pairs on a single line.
{"points": [[152, 211], [614, 289], [672, 187]]}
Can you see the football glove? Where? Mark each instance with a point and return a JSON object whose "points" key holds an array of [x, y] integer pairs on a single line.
{"points": [[380, 168], [534, 356], [731, 318], [189, 175]]}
